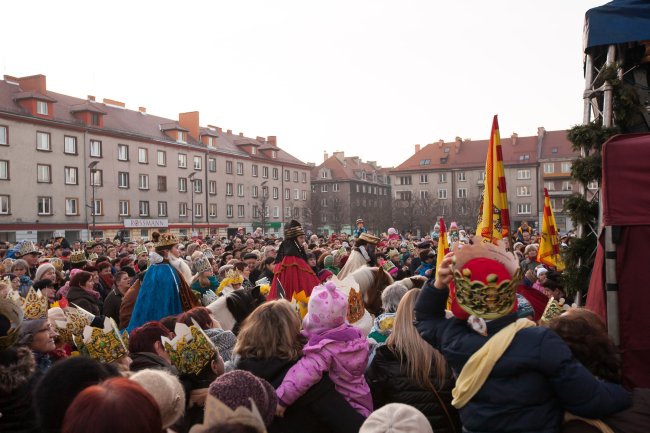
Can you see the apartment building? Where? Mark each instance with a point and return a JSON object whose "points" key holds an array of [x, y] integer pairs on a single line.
{"points": [[345, 188], [69, 166]]}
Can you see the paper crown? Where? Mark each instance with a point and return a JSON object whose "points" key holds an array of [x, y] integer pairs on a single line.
{"points": [[208, 297], [140, 249], [76, 320], [293, 230], [57, 263], [201, 265], [553, 309], [371, 239], [104, 345], [34, 304], [217, 413], [485, 280], [27, 247], [92, 257], [208, 253], [14, 314], [231, 277], [190, 350], [166, 240], [389, 267], [77, 256]]}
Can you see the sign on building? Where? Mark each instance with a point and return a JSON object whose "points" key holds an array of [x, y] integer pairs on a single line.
{"points": [[137, 223]]}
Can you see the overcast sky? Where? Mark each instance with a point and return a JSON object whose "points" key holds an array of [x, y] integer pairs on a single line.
{"points": [[369, 77]]}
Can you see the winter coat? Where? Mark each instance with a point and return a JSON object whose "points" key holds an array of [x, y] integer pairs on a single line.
{"points": [[343, 352], [112, 306], [214, 285], [128, 302], [146, 360], [319, 410], [83, 299], [389, 383], [533, 383]]}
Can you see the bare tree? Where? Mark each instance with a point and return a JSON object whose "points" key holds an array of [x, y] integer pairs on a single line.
{"points": [[260, 208], [316, 212], [466, 211], [335, 214]]}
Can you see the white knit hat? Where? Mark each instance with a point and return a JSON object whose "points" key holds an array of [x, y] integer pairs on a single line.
{"points": [[396, 418], [167, 390]]}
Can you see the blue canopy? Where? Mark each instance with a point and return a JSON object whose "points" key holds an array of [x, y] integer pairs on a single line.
{"points": [[617, 22]]}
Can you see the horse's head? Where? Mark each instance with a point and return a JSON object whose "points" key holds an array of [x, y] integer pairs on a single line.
{"points": [[372, 281]]}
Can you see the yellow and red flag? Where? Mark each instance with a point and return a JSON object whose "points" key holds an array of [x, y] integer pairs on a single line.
{"points": [[549, 246], [494, 218], [443, 245]]}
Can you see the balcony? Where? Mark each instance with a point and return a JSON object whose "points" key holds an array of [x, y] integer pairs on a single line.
{"points": [[556, 175]]}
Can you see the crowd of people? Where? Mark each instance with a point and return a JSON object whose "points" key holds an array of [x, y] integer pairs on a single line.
{"points": [[343, 333]]}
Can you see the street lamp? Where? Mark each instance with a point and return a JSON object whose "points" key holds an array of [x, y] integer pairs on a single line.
{"points": [[93, 170], [191, 179]]}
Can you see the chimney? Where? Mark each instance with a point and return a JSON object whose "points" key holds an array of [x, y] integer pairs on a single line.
{"points": [[114, 102], [514, 137], [340, 155], [91, 98], [229, 132], [417, 148], [142, 110], [541, 131], [260, 139], [373, 164], [441, 142], [325, 156], [33, 83], [219, 130], [11, 79], [272, 139], [190, 121], [241, 134], [457, 144]]}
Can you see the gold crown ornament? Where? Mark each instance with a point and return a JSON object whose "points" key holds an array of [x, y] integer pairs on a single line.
{"points": [[14, 314], [190, 350], [92, 257], [232, 277], [201, 265], [34, 305], [77, 256], [140, 249], [217, 413], [486, 277], [371, 239], [76, 320], [356, 309], [27, 247], [553, 309], [388, 266], [104, 345], [57, 263], [166, 240]]}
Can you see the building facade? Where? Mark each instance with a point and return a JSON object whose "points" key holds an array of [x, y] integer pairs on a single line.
{"points": [[344, 188], [70, 166]]}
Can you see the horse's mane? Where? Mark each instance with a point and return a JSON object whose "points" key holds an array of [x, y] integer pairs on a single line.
{"points": [[241, 304], [372, 281]]}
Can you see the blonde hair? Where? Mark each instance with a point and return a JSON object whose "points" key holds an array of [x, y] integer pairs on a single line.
{"points": [[271, 330], [417, 355]]}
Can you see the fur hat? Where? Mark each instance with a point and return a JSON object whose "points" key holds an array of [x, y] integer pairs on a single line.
{"points": [[43, 268], [293, 230], [167, 390], [239, 387], [327, 308], [396, 418], [17, 366]]}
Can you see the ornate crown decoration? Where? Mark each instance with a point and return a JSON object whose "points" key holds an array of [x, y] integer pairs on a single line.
{"points": [[371, 239], [231, 277], [57, 263], [77, 256], [166, 240], [27, 247], [208, 253], [553, 309], [489, 299], [190, 350], [202, 264], [208, 297], [217, 413], [356, 308], [104, 345], [92, 257], [14, 314], [34, 305], [388, 266], [140, 249], [75, 322]]}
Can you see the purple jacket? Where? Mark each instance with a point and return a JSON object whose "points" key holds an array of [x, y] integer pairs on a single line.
{"points": [[343, 353]]}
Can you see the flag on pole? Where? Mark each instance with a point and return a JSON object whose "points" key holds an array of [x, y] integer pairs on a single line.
{"points": [[494, 218], [443, 245], [549, 246]]}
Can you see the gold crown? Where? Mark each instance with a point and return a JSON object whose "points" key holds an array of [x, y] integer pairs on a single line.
{"points": [[166, 240], [92, 257], [14, 314], [74, 324], [77, 256], [104, 345], [371, 239], [388, 265], [190, 350], [201, 265], [489, 299], [27, 247], [232, 277], [140, 249], [57, 263], [34, 305], [553, 309]]}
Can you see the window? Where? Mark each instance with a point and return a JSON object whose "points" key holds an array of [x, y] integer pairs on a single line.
{"points": [[256, 211], [210, 141], [43, 141], [442, 194], [461, 193], [549, 186], [304, 177], [143, 181], [274, 154], [182, 160], [124, 208], [162, 183], [276, 192], [123, 179], [71, 177], [5, 209], [549, 167], [405, 180], [424, 195], [296, 212], [523, 191], [4, 170], [324, 174], [523, 208], [45, 205], [182, 209], [254, 170], [442, 178], [182, 184], [162, 208], [96, 178], [425, 161], [295, 176], [240, 190], [554, 150], [71, 206], [523, 174], [143, 155], [41, 108], [592, 185], [95, 148], [229, 209], [265, 191], [324, 187], [304, 195], [144, 208], [296, 194], [180, 136], [212, 164], [276, 212], [424, 178], [213, 209], [94, 119], [566, 167], [198, 163], [162, 158], [69, 144], [287, 175], [253, 150], [567, 186], [228, 167], [240, 168], [461, 176], [276, 174], [265, 172], [287, 212], [403, 195], [212, 187], [335, 187], [254, 191], [240, 211], [198, 210], [3, 136], [229, 189], [287, 194], [198, 186], [97, 207], [44, 175]]}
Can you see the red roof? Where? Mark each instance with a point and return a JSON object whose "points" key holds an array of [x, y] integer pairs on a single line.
{"points": [[346, 168]]}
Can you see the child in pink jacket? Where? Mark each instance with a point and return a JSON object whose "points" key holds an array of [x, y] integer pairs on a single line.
{"points": [[333, 347]]}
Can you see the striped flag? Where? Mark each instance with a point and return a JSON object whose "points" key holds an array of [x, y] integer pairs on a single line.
{"points": [[549, 246], [443, 245], [494, 218]]}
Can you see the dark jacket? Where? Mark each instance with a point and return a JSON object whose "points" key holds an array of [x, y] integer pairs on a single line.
{"points": [[389, 383], [112, 306], [83, 299], [321, 409], [533, 383], [145, 360]]}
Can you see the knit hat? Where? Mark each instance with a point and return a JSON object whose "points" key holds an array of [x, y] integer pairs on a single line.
{"points": [[224, 341], [392, 231], [238, 387], [166, 390], [324, 274], [327, 308], [328, 261], [28, 329], [43, 268], [396, 418], [541, 270]]}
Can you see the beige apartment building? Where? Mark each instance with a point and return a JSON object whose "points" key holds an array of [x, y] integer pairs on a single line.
{"points": [[70, 166]]}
